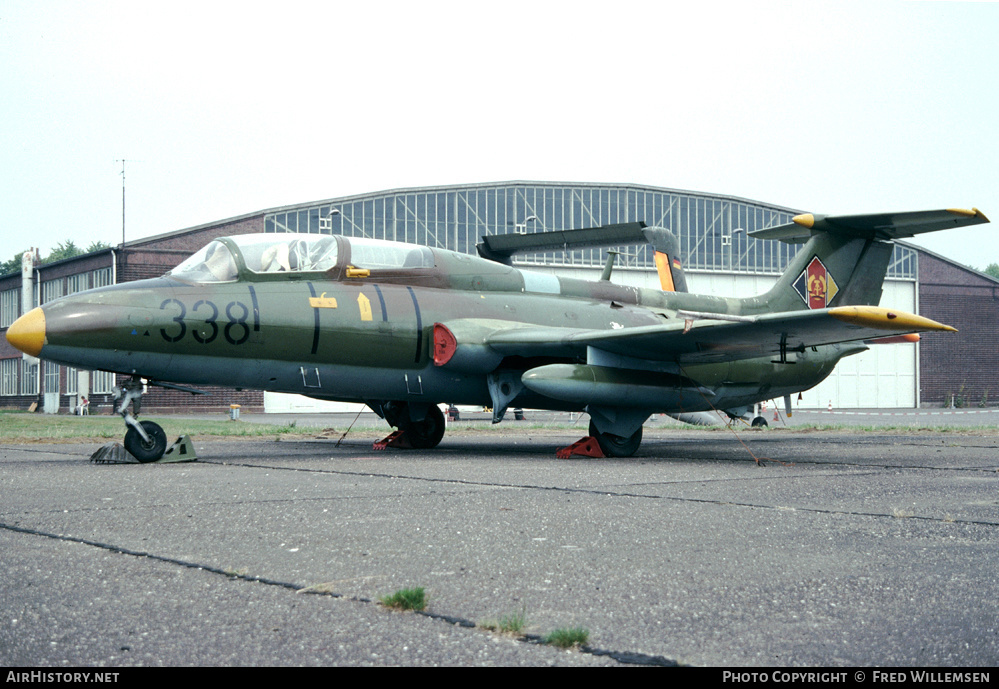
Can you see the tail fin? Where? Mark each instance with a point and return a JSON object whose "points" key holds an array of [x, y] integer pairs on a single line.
{"points": [[667, 258], [845, 257]]}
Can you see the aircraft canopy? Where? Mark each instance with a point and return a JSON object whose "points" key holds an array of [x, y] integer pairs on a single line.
{"points": [[297, 253]]}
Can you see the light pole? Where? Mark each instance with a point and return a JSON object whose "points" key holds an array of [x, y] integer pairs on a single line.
{"points": [[327, 222], [521, 228]]}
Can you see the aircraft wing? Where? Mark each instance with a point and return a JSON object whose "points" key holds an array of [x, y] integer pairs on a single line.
{"points": [[704, 338]]}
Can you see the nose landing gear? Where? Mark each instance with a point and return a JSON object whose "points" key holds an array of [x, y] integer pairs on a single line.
{"points": [[145, 440]]}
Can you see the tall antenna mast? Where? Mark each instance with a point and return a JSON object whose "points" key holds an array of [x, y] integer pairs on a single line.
{"points": [[122, 161]]}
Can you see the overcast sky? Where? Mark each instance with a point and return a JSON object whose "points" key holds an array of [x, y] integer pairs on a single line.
{"points": [[225, 108]]}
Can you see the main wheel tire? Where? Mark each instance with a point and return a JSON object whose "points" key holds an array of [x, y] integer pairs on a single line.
{"points": [[139, 448], [759, 422], [617, 445], [425, 434]]}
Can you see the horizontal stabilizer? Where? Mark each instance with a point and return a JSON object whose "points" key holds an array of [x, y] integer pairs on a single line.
{"points": [[883, 226], [500, 247]]}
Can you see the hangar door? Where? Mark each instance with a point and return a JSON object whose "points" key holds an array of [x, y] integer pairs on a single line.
{"points": [[884, 376]]}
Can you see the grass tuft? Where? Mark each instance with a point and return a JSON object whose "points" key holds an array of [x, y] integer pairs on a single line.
{"points": [[513, 623], [33, 428], [567, 638], [406, 599]]}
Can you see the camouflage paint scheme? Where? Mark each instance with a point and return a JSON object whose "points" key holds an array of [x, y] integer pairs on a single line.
{"points": [[404, 328]]}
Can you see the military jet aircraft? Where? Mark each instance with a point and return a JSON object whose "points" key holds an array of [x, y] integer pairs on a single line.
{"points": [[403, 328]]}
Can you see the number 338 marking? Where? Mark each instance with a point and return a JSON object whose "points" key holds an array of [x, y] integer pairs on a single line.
{"points": [[236, 330]]}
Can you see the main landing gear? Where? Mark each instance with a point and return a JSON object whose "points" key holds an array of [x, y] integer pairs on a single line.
{"points": [[145, 440], [617, 445], [421, 426], [598, 444]]}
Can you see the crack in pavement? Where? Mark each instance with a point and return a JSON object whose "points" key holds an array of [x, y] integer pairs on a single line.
{"points": [[621, 494], [625, 657]]}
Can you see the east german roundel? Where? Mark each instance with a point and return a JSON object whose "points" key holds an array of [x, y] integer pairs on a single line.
{"points": [[816, 285]]}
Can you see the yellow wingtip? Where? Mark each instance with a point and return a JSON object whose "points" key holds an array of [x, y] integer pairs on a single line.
{"points": [[972, 213], [887, 319], [805, 220]]}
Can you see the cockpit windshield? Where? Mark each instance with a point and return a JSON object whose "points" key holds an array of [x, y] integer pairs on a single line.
{"points": [[212, 263], [261, 253]]}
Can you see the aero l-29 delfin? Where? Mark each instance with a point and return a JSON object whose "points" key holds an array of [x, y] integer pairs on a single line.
{"points": [[404, 328]]}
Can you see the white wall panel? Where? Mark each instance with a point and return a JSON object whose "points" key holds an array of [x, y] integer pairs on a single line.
{"points": [[883, 376]]}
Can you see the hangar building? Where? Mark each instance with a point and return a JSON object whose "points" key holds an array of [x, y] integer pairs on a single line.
{"points": [[718, 257]]}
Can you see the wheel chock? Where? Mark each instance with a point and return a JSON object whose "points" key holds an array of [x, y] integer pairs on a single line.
{"points": [[584, 447], [394, 439], [181, 451], [113, 453]]}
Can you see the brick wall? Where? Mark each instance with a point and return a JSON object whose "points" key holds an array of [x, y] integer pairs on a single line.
{"points": [[147, 258], [152, 257], [167, 401], [191, 240], [963, 364]]}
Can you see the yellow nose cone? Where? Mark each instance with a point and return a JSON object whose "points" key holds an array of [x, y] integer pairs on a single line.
{"points": [[27, 333]]}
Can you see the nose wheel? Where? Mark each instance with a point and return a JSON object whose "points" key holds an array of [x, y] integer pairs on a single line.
{"points": [[147, 446], [145, 440]]}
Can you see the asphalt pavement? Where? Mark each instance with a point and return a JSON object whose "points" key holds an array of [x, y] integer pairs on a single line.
{"points": [[984, 418], [843, 548]]}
